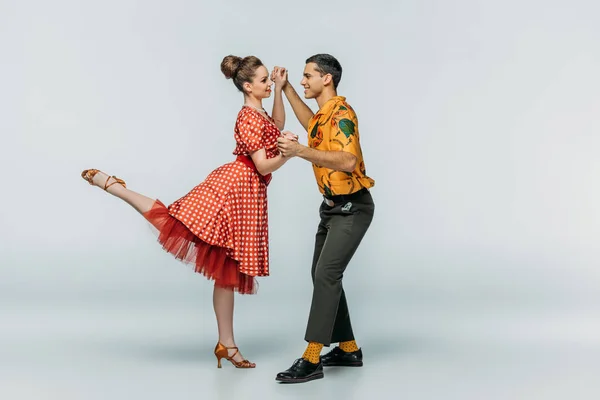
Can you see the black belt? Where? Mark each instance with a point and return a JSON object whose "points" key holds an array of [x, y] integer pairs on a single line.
{"points": [[342, 198]]}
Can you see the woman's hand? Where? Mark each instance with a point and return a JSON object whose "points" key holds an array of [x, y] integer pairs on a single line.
{"points": [[289, 135]]}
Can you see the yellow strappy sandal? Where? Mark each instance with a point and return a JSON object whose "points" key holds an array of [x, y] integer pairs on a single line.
{"points": [[89, 174]]}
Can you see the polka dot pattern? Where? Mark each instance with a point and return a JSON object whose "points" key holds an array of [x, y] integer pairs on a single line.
{"points": [[254, 132], [229, 208], [349, 346], [312, 352]]}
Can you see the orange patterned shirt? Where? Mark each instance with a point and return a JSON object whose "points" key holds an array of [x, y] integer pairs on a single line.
{"points": [[335, 128]]}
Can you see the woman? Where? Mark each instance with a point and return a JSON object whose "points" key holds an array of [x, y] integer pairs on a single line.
{"points": [[221, 225]]}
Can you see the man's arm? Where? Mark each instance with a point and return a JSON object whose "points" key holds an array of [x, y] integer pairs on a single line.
{"points": [[302, 111], [336, 160]]}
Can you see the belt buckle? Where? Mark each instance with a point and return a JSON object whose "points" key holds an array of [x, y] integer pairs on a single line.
{"points": [[330, 203]]}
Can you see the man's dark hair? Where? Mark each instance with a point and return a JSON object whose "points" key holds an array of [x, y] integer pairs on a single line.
{"points": [[327, 64]]}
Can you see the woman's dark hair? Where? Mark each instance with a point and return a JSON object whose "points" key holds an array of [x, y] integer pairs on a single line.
{"points": [[240, 69]]}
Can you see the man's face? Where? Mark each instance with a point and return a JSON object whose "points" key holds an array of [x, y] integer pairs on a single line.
{"points": [[312, 81]]}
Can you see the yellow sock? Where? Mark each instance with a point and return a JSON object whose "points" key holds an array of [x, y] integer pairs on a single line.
{"points": [[349, 346], [313, 352]]}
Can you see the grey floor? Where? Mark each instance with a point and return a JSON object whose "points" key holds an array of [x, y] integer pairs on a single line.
{"points": [[149, 334]]}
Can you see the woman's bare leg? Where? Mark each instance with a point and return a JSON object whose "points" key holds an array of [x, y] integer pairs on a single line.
{"points": [[140, 202], [223, 304], [223, 299]]}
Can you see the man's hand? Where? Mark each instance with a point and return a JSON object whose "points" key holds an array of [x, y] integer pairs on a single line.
{"points": [[279, 75], [288, 147]]}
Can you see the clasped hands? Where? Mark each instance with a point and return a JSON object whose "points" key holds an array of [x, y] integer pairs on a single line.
{"points": [[288, 145]]}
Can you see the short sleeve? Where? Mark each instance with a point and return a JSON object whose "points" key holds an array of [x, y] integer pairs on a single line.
{"points": [[346, 127], [251, 129]]}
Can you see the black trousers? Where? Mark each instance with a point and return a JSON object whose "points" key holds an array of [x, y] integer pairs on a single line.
{"points": [[339, 234]]}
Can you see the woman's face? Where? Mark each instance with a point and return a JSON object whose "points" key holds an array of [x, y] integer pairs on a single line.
{"points": [[261, 84]]}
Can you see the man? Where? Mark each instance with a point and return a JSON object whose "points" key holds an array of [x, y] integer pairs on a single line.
{"points": [[346, 212]]}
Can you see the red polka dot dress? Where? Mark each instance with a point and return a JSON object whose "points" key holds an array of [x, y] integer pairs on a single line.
{"points": [[221, 225]]}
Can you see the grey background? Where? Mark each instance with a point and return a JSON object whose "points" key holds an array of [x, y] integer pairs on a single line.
{"points": [[479, 121]]}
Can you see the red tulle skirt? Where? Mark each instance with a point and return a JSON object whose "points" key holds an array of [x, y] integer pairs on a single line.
{"points": [[208, 260]]}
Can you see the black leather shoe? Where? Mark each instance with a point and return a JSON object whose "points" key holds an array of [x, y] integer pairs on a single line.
{"points": [[301, 371], [339, 358]]}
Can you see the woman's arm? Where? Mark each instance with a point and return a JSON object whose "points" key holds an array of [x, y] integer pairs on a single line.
{"points": [[266, 165], [278, 109]]}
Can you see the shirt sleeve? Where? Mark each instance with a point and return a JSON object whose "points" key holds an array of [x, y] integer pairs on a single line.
{"points": [[345, 132], [251, 132]]}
